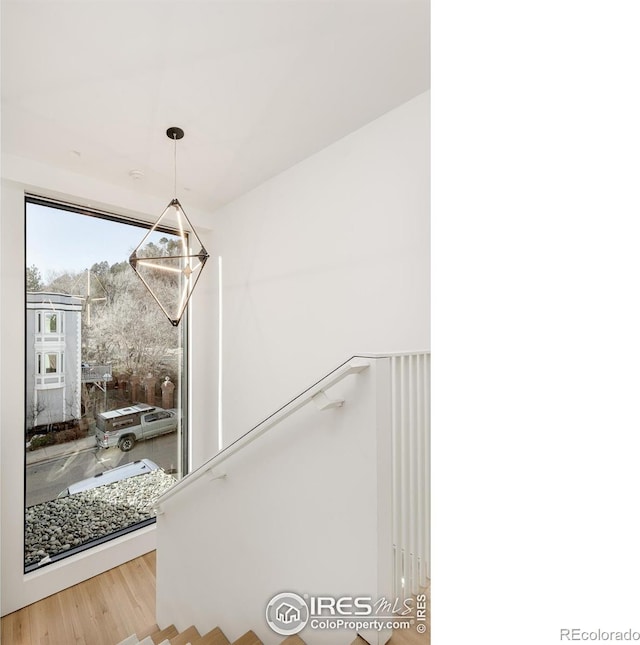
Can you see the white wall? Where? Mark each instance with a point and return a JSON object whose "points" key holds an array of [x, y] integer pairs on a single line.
{"points": [[19, 176], [327, 259], [305, 508]]}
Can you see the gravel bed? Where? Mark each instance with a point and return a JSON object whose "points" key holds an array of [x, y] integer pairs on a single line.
{"points": [[56, 526]]}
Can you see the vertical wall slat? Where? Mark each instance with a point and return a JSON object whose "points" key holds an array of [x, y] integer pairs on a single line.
{"points": [[419, 471], [397, 470], [394, 457], [399, 491], [411, 472], [410, 505], [418, 467], [426, 452], [404, 512]]}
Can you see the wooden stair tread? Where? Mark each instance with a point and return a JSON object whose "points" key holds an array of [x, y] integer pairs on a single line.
{"points": [[189, 635], [248, 639], [164, 634], [147, 632], [214, 637]]}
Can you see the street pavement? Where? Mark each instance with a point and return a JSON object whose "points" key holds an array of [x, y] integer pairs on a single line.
{"points": [[52, 468], [60, 450]]}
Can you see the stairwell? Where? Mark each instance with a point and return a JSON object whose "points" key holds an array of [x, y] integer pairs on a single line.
{"points": [[344, 483], [191, 636]]}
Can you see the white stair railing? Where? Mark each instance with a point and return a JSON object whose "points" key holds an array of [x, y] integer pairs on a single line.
{"points": [[316, 393], [410, 413]]}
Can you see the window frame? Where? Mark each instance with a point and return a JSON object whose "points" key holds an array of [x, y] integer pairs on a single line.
{"points": [[184, 438], [48, 317], [41, 363]]}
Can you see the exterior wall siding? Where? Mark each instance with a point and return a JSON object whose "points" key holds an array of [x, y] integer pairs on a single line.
{"points": [[55, 397]]}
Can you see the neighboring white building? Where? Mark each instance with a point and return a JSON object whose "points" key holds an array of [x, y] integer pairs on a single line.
{"points": [[53, 368]]}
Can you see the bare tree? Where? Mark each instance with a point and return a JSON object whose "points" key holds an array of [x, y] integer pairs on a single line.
{"points": [[127, 329], [130, 331], [34, 410]]}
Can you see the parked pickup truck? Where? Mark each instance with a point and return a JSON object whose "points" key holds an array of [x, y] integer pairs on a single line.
{"points": [[125, 426]]}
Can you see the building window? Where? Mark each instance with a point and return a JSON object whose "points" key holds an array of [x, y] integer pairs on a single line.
{"points": [[99, 351], [50, 363], [51, 323], [48, 322]]}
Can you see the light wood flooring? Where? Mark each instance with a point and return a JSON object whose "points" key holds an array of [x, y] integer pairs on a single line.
{"points": [[99, 611], [106, 609]]}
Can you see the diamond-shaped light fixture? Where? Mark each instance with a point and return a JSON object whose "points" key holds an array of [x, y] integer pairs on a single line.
{"points": [[171, 256]]}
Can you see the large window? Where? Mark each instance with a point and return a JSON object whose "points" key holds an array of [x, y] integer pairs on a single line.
{"points": [[105, 382]]}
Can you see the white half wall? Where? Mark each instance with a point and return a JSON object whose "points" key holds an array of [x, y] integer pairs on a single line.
{"points": [[328, 259], [306, 508]]}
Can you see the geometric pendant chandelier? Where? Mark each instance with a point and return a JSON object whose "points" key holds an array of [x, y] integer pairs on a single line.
{"points": [[170, 257]]}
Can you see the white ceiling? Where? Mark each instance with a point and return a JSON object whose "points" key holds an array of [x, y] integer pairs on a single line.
{"points": [[91, 86]]}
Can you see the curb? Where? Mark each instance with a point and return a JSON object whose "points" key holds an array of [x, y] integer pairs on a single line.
{"points": [[49, 453]]}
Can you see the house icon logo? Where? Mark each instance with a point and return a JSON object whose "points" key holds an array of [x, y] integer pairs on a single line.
{"points": [[287, 614]]}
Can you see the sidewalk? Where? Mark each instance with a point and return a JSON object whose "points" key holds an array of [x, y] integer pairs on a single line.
{"points": [[60, 450]]}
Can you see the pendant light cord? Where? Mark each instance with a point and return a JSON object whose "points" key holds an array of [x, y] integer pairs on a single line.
{"points": [[175, 165]]}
